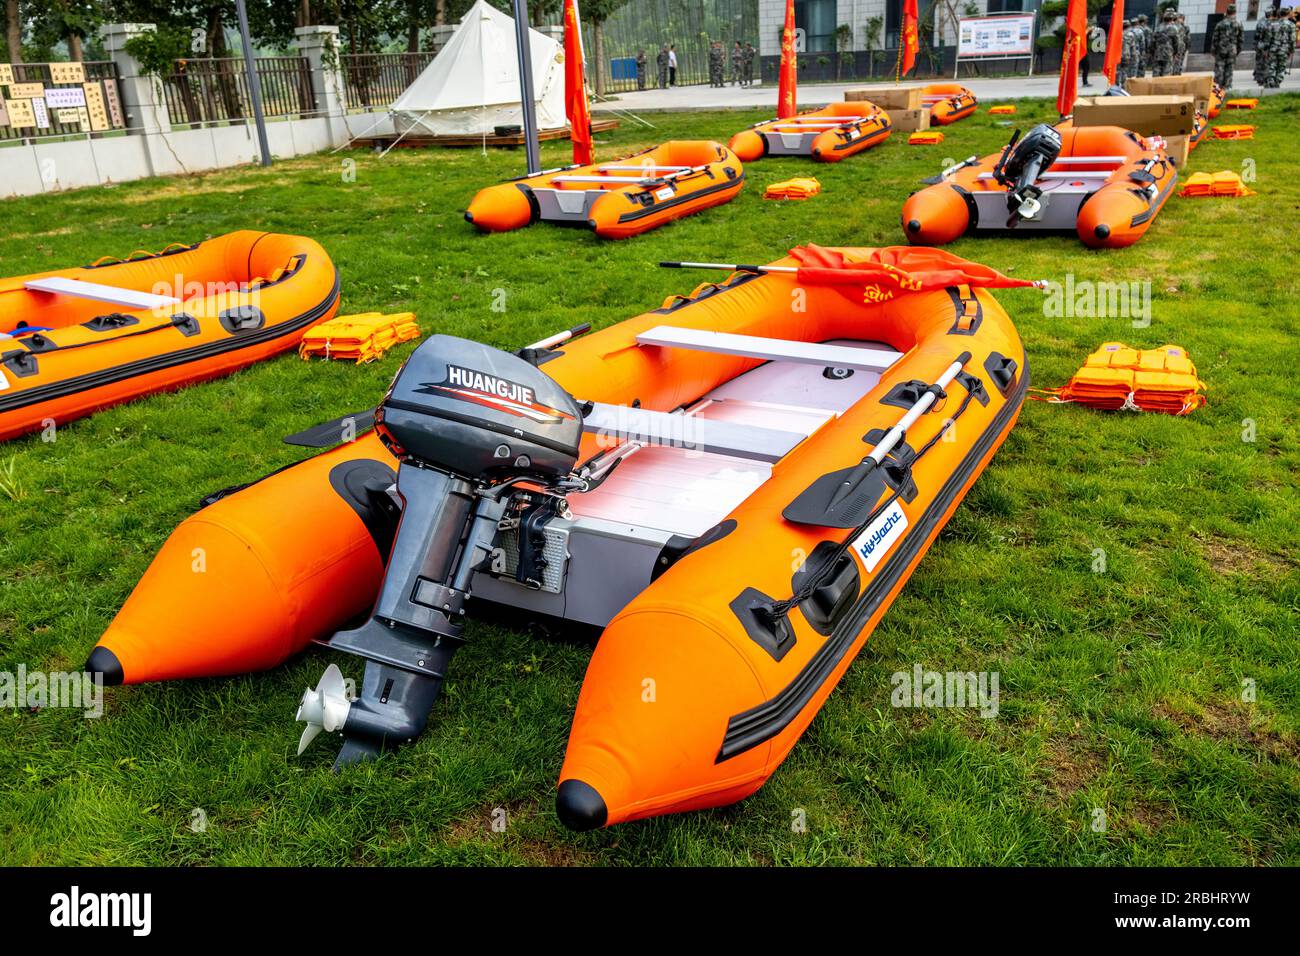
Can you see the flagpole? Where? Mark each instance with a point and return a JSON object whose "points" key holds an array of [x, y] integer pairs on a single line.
{"points": [[529, 110]]}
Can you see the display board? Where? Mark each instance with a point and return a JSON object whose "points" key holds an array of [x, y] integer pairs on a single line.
{"points": [[1002, 37]]}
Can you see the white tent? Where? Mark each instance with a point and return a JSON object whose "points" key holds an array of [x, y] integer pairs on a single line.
{"points": [[472, 85]]}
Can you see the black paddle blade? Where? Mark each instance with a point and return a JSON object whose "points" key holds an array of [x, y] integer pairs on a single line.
{"points": [[336, 432], [813, 506]]}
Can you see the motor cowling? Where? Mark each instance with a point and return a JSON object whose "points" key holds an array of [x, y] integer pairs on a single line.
{"points": [[478, 412], [1022, 162]]}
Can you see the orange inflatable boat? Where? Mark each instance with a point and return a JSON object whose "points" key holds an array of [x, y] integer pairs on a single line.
{"points": [[80, 339], [735, 491], [1102, 182], [948, 102], [829, 134], [621, 198]]}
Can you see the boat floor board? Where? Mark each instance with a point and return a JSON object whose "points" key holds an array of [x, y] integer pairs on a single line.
{"points": [[686, 491]]}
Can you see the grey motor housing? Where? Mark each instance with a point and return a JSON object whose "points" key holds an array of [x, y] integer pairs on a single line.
{"points": [[465, 421]]}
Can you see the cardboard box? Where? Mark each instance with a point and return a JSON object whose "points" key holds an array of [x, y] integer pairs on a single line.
{"points": [[1199, 86], [888, 97], [1178, 148], [910, 121], [1144, 115]]}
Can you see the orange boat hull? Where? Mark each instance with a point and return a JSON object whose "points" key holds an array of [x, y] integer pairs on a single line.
{"points": [[1112, 216], [636, 199], [244, 297], [687, 702], [955, 102], [869, 126]]}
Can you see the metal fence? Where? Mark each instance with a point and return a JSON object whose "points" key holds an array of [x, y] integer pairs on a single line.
{"points": [[374, 80], [98, 94], [689, 24], [216, 90]]}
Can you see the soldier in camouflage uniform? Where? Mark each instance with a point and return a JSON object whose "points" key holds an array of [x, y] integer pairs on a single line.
{"points": [[737, 56], [661, 61], [1184, 43], [1128, 55], [642, 64], [1225, 44], [1147, 42], [747, 63], [1263, 47], [1164, 44], [1284, 47], [715, 63]]}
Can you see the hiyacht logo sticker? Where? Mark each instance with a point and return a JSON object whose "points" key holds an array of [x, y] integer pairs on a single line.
{"points": [[874, 543]]}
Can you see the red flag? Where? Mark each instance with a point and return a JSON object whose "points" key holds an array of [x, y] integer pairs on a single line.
{"points": [[575, 86], [907, 50], [1115, 42], [785, 97], [898, 269], [1072, 50]]}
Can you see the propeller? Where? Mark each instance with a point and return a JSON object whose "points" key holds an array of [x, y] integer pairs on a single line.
{"points": [[326, 707]]}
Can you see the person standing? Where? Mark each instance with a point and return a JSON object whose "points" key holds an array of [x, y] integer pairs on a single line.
{"points": [[1147, 41], [672, 64], [1282, 46], [1163, 46], [661, 61], [1091, 37], [1185, 44], [642, 64], [1128, 54], [747, 64], [1225, 44], [715, 63], [1263, 47], [737, 57]]}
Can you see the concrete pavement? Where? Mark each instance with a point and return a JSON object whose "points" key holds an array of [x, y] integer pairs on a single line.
{"points": [[993, 90]]}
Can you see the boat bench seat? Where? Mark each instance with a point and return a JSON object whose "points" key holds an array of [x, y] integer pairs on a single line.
{"points": [[114, 295], [621, 423], [773, 350]]}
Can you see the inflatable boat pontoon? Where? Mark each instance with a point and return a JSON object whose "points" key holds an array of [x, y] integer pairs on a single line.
{"points": [[1102, 182], [734, 490], [829, 134], [76, 340], [617, 199], [948, 102]]}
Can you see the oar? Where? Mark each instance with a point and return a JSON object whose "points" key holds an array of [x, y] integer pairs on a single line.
{"points": [[844, 498], [728, 266], [895, 434]]}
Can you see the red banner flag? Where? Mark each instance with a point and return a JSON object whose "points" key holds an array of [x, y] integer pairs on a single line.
{"points": [[1072, 50], [897, 269], [575, 86], [785, 97], [1115, 41], [911, 41]]}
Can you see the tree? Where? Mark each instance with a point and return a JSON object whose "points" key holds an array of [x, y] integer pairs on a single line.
{"points": [[13, 31], [596, 12]]}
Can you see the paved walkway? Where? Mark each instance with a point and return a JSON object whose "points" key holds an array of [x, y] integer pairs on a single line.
{"points": [[683, 98]]}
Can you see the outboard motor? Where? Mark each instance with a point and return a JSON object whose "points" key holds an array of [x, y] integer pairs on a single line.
{"points": [[1022, 162], [467, 423]]}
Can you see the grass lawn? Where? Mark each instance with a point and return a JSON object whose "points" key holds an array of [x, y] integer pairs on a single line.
{"points": [[1122, 690]]}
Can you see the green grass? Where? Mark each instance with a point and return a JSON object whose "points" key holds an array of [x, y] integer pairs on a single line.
{"points": [[1121, 690]]}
